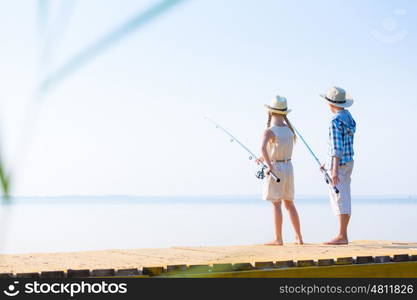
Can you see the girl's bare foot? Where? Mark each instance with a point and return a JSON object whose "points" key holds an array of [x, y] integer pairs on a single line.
{"points": [[298, 241], [339, 240], [274, 243]]}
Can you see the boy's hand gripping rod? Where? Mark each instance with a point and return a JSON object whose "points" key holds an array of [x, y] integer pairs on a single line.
{"points": [[260, 174], [327, 178]]}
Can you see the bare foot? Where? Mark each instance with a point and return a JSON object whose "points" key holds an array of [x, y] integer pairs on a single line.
{"points": [[274, 243], [298, 241], [337, 241]]}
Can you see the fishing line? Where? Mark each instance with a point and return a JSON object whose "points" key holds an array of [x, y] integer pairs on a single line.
{"points": [[260, 174], [327, 178]]}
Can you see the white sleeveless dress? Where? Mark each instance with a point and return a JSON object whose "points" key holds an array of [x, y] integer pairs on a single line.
{"points": [[280, 149]]}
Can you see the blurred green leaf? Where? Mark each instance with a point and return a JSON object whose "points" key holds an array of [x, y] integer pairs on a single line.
{"points": [[5, 182]]}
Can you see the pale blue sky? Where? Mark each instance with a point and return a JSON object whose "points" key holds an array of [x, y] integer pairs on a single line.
{"points": [[131, 121]]}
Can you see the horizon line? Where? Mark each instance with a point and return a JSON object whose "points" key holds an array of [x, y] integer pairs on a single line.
{"points": [[201, 195]]}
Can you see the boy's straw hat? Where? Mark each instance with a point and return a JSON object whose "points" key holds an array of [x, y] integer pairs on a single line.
{"points": [[278, 105], [337, 96]]}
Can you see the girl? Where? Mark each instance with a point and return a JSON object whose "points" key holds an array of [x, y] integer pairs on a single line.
{"points": [[277, 146]]}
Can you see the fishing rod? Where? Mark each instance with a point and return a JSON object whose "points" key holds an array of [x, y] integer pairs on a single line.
{"points": [[260, 174], [327, 178]]}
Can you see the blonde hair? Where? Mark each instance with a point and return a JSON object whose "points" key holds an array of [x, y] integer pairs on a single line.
{"points": [[286, 120], [268, 123]]}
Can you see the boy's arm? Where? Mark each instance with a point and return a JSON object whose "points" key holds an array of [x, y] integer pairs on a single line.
{"points": [[336, 142], [335, 170]]}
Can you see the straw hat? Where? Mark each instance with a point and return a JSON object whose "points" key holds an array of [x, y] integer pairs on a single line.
{"points": [[337, 96], [278, 105]]}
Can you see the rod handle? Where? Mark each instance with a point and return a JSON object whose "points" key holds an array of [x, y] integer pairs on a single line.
{"points": [[329, 181], [275, 177]]}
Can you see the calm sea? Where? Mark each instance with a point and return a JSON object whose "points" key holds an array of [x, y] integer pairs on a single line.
{"points": [[121, 222]]}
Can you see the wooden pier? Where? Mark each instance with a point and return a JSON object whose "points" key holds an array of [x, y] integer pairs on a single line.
{"points": [[359, 259]]}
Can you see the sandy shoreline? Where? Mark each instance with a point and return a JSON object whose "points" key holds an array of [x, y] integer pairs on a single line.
{"points": [[137, 258]]}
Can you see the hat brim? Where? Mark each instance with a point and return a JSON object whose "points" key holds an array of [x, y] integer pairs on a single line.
{"points": [[348, 103], [276, 111]]}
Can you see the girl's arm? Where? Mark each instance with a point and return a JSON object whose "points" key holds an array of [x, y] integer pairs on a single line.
{"points": [[264, 150]]}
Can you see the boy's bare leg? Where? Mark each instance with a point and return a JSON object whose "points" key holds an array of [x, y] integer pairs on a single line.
{"points": [[342, 237]]}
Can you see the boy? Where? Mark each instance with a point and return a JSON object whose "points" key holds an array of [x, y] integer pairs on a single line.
{"points": [[341, 135]]}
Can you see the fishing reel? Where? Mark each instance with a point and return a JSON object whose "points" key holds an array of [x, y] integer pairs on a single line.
{"points": [[261, 173]]}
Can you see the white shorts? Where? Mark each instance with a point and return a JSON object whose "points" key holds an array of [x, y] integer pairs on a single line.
{"points": [[283, 190], [341, 202]]}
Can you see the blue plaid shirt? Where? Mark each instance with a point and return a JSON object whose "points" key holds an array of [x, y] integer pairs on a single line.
{"points": [[341, 134]]}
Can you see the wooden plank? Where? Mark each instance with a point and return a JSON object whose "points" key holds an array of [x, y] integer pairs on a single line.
{"points": [[242, 267], [177, 269], [400, 258], [344, 261], [222, 268], [364, 259], [127, 272], [53, 274], [131, 276], [196, 270], [199, 268], [325, 262], [102, 272], [152, 271], [380, 270], [285, 264], [382, 259], [306, 263], [78, 273], [264, 265], [28, 275]]}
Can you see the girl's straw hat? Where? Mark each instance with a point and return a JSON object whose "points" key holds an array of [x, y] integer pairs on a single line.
{"points": [[337, 96], [278, 105]]}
